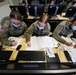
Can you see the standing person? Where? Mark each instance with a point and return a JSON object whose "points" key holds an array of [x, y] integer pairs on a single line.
{"points": [[14, 26], [64, 29], [38, 28]]}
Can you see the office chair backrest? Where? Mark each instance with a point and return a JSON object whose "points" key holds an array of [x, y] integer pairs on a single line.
{"points": [[21, 9], [36, 10], [60, 9], [51, 10], [70, 12]]}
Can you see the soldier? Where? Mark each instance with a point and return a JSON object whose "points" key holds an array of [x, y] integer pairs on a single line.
{"points": [[39, 28], [65, 28], [14, 26], [4, 39]]}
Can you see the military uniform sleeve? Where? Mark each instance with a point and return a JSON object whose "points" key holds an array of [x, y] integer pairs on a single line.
{"points": [[25, 25], [29, 32], [49, 28], [4, 39], [57, 32], [7, 42], [5, 26]]}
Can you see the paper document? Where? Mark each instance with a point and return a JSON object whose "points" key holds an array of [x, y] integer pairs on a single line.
{"points": [[41, 42], [49, 52], [34, 45], [18, 40], [71, 50]]}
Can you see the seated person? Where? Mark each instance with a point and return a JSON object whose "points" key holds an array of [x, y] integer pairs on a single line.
{"points": [[4, 39], [14, 26], [63, 2], [38, 28], [64, 29], [72, 3], [35, 2], [24, 3], [52, 2]]}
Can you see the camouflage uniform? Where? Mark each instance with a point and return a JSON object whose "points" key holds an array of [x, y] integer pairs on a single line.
{"points": [[33, 29], [4, 39], [12, 31]]}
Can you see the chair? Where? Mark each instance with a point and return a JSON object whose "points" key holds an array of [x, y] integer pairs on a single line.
{"points": [[52, 10], [60, 9], [36, 10], [70, 12], [21, 9]]}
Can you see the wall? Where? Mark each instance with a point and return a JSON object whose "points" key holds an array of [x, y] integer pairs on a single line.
{"points": [[14, 2], [4, 10], [4, 7]]}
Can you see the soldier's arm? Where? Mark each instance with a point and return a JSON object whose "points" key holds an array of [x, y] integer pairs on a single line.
{"points": [[29, 32], [7, 42]]}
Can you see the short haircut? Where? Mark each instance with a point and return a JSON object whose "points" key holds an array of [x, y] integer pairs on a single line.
{"points": [[15, 15]]}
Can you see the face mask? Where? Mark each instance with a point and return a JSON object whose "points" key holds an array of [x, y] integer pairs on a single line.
{"points": [[15, 25], [73, 27], [40, 27]]}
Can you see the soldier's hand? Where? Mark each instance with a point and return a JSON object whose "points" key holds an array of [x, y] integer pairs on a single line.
{"points": [[21, 36], [74, 46], [1, 30], [29, 43], [14, 43], [68, 44]]}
